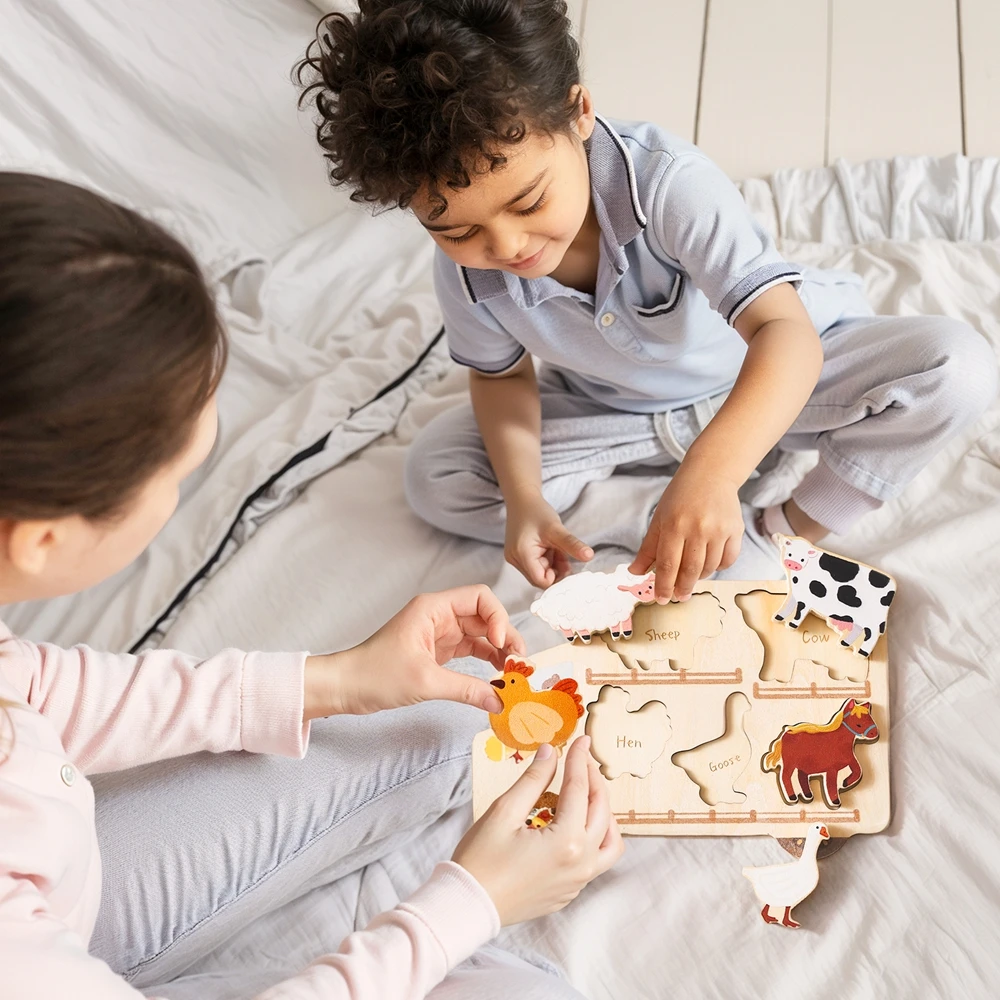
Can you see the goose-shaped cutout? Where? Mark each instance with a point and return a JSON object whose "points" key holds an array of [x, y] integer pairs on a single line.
{"points": [[716, 766]]}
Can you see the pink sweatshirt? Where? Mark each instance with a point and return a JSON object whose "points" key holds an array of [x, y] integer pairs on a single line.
{"points": [[77, 712]]}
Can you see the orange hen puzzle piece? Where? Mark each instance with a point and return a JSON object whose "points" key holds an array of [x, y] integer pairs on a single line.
{"points": [[530, 718]]}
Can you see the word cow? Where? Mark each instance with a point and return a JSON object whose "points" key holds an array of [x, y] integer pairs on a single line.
{"points": [[853, 598]]}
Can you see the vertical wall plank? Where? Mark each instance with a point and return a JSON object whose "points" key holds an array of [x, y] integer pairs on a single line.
{"points": [[981, 75], [763, 99], [894, 79], [642, 58]]}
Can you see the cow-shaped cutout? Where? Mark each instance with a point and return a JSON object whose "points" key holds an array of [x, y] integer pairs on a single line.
{"points": [[666, 634], [810, 750], [852, 597], [782, 648], [623, 741], [716, 766]]}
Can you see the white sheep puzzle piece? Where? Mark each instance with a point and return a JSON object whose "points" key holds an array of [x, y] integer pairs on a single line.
{"points": [[585, 603], [851, 596], [626, 741], [806, 684]]}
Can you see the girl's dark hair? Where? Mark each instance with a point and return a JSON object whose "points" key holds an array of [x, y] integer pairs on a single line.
{"points": [[110, 348], [410, 92]]}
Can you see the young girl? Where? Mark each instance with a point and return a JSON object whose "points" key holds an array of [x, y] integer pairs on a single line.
{"points": [[110, 354], [672, 332]]}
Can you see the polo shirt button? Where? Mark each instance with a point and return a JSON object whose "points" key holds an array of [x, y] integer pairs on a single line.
{"points": [[68, 774], [607, 319]]}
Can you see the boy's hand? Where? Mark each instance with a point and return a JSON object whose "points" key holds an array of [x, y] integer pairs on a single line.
{"points": [[537, 543], [529, 873], [697, 528], [402, 663]]}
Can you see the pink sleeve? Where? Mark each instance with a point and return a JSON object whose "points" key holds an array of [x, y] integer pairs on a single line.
{"points": [[400, 956], [116, 711], [405, 952]]}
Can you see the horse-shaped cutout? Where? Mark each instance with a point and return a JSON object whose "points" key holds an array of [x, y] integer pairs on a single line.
{"points": [[812, 750]]}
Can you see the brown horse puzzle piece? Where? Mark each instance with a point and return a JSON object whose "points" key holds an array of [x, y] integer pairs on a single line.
{"points": [[792, 704]]}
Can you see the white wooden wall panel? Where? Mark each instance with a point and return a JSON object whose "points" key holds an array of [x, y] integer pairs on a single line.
{"points": [[763, 99], [642, 58], [981, 74], [894, 79]]}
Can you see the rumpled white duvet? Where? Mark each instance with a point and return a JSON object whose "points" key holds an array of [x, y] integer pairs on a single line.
{"points": [[296, 533]]}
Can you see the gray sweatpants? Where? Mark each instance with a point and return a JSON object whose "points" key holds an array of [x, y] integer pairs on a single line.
{"points": [[893, 390]]}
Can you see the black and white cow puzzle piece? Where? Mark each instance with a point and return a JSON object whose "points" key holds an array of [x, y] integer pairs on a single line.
{"points": [[852, 597]]}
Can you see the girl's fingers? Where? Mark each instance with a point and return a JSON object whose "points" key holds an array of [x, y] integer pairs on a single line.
{"points": [[449, 685], [515, 804], [612, 847], [574, 795], [598, 805]]}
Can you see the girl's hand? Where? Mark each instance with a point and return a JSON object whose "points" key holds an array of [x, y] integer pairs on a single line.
{"points": [[697, 528], [529, 873], [402, 663], [537, 543]]}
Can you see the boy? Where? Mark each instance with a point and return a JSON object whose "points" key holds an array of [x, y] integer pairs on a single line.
{"points": [[671, 331]]}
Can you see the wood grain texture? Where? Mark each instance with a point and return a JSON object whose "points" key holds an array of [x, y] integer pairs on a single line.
{"points": [[894, 79], [763, 98], [980, 23], [642, 60], [670, 802]]}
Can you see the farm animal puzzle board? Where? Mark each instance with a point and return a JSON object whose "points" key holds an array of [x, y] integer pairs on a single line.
{"points": [[714, 719]]}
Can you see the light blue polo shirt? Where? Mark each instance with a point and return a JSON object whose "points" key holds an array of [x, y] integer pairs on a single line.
{"points": [[681, 257]]}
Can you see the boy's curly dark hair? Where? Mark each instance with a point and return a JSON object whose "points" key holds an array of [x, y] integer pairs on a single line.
{"points": [[414, 92]]}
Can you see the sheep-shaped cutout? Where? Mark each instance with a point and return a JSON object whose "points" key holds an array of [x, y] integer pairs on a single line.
{"points": [[585, 603]]}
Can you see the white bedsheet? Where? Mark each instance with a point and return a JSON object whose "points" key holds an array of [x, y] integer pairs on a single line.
{"points": [[185, 110]]}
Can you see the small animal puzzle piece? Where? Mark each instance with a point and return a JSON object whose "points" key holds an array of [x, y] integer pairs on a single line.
{"points": [[623, 741], [585, 603], [716, 766], [530, 718], [785, 886], [810, 750], [667, 634], [853, 598], [543, 812]]}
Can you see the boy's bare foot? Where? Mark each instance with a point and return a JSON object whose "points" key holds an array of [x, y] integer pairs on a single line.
{"points": [[802, 524], [789, 519]]}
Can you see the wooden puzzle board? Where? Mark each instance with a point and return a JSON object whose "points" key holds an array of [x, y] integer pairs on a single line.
{"points": [[692, 658]]}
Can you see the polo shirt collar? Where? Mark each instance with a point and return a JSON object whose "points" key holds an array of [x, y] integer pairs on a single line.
{"points": [[619, 213]]}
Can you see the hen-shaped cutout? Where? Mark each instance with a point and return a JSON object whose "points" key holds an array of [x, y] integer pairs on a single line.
{"points": [[716, 766], [626, 742]]}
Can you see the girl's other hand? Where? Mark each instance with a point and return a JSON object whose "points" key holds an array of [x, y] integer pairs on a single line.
{"points": [[537, 543], [403, 662], [696, 529], [531, 872]]}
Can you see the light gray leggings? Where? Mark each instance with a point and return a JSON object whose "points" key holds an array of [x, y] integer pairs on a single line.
{"points": [[892, 392], [195, 848]]}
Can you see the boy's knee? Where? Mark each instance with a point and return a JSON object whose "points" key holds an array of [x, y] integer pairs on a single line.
{"points": [[419, 473], [967, 369]]}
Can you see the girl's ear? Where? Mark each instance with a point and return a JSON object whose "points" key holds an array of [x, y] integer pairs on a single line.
{"points": [[583, 124], [28, 545]]}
